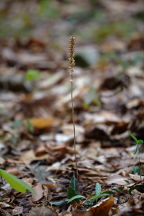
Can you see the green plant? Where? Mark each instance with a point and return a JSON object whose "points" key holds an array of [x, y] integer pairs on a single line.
{"points": [[73, 187], [97, 195], [32, 75], [136, 170], [138, 187], [29, 126], [15, 183], [139, 143], [74, 196], [17, 124], [72, 193]]}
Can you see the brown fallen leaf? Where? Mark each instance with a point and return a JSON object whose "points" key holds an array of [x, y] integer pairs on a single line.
{"points": [[42, 211], [33, 44], [116, 179], [28, 157], [136, 177], [38, 193], [53, 153], [14, 171], [100, 209], [43, 123], [17, 210], [1, 161], [136, 43], [4, 213]]}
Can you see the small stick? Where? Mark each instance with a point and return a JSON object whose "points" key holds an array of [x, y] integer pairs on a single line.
{"points": [[71, 71]]}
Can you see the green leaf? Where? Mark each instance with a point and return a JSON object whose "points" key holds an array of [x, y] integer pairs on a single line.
{"points": [[16, 183], [73, 187], [121, 188], [93, 200], [139, 187], [32, 75], [58, 203], [133, 137], [14, 140], [136, 170], [77, 197], [98, 189], [29, 126], [107, 193], [17, 124], [140, 142]]}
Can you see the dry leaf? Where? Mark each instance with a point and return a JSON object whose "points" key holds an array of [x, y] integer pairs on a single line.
{"points": [[17, 210], [53, 153], [28, 157], [38, 193], [42, 211], [43, 123], [103, 208], [116, 179], [100, 209]]}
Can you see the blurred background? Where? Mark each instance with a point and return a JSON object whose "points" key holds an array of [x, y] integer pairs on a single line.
{"points": [[94, 21], [33, 55]]}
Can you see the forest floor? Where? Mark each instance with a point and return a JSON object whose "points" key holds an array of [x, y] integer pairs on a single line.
{"points": [[36, 130]]}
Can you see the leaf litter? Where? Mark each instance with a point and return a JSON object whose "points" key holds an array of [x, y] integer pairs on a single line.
{"points": [[36, 134]]}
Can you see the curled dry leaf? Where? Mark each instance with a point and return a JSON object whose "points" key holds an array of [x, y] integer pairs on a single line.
{"points": [[100, 209]]}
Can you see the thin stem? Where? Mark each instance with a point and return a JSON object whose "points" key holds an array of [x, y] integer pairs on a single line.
{"points": [[71, 71], [73, 119], [139, 158]]}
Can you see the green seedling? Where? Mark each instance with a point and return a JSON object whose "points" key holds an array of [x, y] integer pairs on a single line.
{"points": [[73, 191], [139, 143], [14, 140], [29, 126], [17, 124], [32, 75], [75, 198], [73, 187], [15, 182], [136, 170], [58, 203], [97, 195], [138, 187]]}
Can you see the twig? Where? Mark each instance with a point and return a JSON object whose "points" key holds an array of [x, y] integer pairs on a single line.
{"points": [[71, 71]]}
